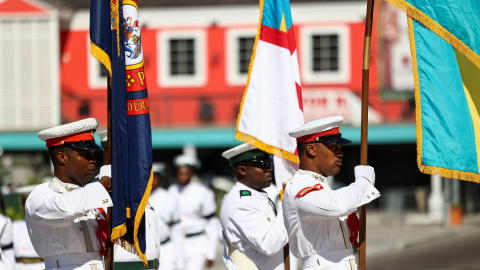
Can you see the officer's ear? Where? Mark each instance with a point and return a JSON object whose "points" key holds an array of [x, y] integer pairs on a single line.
{"points": [[241, 172], [311, 150], [62, 157]]}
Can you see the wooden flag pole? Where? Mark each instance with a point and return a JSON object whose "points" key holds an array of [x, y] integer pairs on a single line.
{"points": [[108, 160], [286, 257], [364, 125]]}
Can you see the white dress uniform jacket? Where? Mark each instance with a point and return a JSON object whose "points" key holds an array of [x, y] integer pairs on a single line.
{"points": [[7, 256], [24, 249], [250, 223], [165, 210], [152, 236], [54, 226], [319, 235], [198, 225]]}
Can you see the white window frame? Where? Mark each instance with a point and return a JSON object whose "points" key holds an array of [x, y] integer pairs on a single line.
{"points": [[310, 76], [165, 79], [234, 77], [95, 80]]}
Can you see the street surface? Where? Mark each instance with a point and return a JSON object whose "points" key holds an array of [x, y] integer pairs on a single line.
{"points": [[456, 252]]}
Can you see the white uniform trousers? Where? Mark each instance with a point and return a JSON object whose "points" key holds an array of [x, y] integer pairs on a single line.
{"points": [[79, 261], [194, 248], [167, 257]]}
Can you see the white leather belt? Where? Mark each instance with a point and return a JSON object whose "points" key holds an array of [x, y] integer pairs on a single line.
{"points": [[328, 258], [92, 258]]}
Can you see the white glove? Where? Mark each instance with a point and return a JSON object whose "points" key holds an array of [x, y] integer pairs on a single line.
{"points": [[105, 170], [366, 172]]}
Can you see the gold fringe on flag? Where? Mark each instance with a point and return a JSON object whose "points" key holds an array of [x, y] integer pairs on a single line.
{"points": [[431, 24], [121, 230], [248, 138], [444, 172], [266, 147]]}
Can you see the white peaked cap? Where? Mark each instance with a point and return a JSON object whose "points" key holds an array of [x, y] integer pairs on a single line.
{"points": [[77, 135], [237, 150], [158, 167], [244, 152], [69, 129], [184, 160], [316, 126], [320, 130]]}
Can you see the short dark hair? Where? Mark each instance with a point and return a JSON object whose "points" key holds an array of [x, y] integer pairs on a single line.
{"points": [[302, 147], [53, 151]]}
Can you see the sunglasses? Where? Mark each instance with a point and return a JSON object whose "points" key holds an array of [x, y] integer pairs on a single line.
{"points": [[262, 164]]}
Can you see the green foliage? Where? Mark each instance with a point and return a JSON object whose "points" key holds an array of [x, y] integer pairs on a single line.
{"points": [[13, 206], [14, 214]]}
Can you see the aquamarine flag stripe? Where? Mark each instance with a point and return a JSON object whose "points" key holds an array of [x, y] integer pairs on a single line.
{"points": [[448, 138], [456, 17], [288, 13], [273, 11]]}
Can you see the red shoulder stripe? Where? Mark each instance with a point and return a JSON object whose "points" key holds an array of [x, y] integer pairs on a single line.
{"points": [[307, 190]]}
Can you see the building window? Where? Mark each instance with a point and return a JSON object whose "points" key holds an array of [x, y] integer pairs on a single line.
{"points": [[97, 72], [325, 54], [181, 58], [238, 54], [245, 49], [103, 70]]}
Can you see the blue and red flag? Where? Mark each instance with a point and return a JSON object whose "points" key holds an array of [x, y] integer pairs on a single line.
{"points": [[272, 103], [116, 42]]}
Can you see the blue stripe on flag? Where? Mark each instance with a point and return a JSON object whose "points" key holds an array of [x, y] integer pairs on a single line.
{"points": [[273, 11], [447, 131]]}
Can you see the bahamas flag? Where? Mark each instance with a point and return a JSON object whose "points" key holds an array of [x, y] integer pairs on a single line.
{"points": [[116, 42], [445, 46], [272, 101]]}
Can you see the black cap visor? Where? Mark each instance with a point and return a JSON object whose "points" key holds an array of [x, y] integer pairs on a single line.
{"points": [[337, 141], [331, 139], [85, 145]]}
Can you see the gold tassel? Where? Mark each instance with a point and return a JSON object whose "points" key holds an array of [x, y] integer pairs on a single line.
{"points": [[138, 219]]}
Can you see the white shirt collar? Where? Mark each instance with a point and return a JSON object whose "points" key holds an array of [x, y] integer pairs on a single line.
{"points": [[318, 177], [255, 192], [69, 187]]}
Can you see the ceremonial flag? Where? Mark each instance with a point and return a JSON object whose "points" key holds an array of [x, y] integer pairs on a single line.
{"points": [[272, 102], [116, 42], [445, 46]]}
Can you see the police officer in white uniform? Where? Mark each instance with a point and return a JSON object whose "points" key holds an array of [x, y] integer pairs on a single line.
{"points": [[7, 256], [63, 215], [250, 222], [124, 260], [196, 208], [165, 209], [321, 222], [25, 256]]}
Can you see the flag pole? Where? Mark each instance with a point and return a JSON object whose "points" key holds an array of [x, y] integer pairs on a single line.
{"points": [[286, 257], [364, 124], [108, 160]]}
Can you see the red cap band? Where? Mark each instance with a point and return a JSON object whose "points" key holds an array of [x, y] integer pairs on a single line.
{"points": [[84, 136], [312, 137]]}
